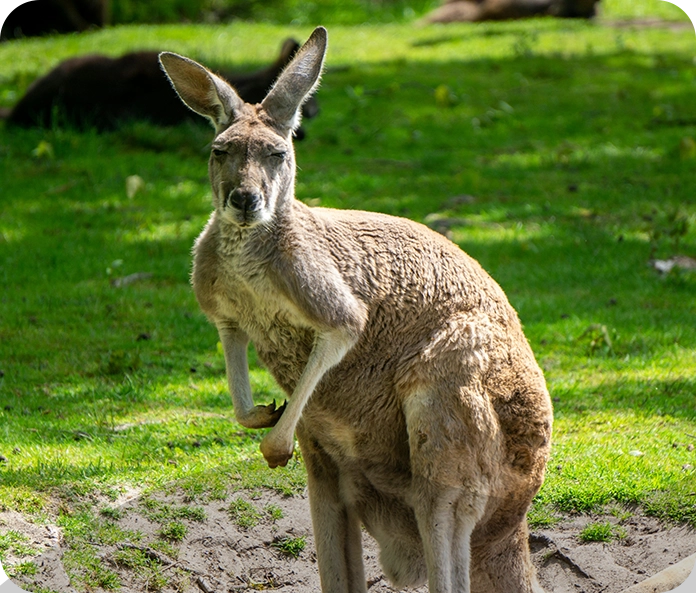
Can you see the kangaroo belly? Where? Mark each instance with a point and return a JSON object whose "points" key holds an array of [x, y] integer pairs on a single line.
{"points": [[358, 418], [285, 354]]}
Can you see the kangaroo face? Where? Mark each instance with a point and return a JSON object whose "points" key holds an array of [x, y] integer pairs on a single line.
{"points": [[251, 167]]}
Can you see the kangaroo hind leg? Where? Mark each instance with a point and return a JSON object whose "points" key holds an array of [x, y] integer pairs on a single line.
{"points": [[335, 525], [449, 446], [505, 566]]}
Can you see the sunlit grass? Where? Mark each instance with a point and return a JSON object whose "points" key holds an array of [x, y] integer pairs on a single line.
{"points": [[165, 231]]}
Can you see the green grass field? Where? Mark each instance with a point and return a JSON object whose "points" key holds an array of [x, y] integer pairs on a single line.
{"points": [[560, 154]]}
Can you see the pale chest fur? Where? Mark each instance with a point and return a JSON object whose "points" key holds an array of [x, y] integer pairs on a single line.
{"points": [[233, 286], [255, 304]]}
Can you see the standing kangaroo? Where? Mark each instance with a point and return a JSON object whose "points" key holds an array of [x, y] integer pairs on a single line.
{"points": [[414, 395]]}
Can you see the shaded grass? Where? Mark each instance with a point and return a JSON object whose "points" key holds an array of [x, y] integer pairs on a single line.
{"points": [[562, 137]]}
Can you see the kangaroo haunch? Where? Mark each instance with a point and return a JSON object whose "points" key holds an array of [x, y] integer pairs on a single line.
{"points": [[414, 395]]}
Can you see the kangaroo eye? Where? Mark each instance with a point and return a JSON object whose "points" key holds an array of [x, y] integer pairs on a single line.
{"points": [[217, 152]]}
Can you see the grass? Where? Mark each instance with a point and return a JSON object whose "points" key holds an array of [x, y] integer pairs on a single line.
{"points": [[161, 512], [290, 546], [244, 513], [632, 9], [551, 151], [542, 517], [88, 534], [274, 512], [346, 12], [143, 566], [174, 531], [17, 546], [601, 532]]}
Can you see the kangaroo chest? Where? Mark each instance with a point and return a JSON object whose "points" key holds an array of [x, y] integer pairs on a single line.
{"points": [[281, 336]]}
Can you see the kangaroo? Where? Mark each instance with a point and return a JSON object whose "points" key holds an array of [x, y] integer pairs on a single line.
{"points": [[499, 10], [415, 398], [40, 17], [100, 91]]}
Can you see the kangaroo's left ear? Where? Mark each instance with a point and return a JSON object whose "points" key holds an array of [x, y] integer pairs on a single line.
{"points": [[297, 82]]}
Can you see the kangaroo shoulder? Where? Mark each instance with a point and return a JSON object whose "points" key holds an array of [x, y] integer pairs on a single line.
{"points": [[308, 271]]}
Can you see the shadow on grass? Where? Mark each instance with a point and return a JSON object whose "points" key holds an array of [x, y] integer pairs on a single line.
{"points": [[674, 398]]}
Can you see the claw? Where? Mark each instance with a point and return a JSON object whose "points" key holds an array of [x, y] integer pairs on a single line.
{"points": [[262, 416]]}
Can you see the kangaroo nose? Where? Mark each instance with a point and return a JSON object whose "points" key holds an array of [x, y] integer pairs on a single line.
{"points": [[244, 200]]}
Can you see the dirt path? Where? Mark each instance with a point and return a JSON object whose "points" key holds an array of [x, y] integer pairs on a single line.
{"points": [[222, 553]]}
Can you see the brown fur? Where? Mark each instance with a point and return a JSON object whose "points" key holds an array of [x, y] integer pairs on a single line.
{"points": [[101, 91], [498, 10], [415, 397]]}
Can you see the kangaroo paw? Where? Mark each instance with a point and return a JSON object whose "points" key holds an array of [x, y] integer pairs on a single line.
{"points": [[276, 453], [262, 416]]}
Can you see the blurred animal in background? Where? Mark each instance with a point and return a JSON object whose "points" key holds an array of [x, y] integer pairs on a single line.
{"points": [[497, 10], [99, 91], [42, 17]]}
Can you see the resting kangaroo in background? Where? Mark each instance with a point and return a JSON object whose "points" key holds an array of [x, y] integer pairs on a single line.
{"points": [[498, 10], [415, 397], [101, 91]]}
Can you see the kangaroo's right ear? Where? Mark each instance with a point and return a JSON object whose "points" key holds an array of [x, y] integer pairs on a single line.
{"points": [[297, 82], [201, 90]]}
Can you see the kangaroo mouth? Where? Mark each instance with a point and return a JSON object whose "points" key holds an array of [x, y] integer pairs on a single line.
{"points": [[243, 217]]}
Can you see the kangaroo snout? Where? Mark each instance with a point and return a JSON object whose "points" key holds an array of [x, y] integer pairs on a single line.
{"points": [[245, 200]]}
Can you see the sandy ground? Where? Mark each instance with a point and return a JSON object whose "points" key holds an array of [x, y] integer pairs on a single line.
{"points": [[219, 556]]}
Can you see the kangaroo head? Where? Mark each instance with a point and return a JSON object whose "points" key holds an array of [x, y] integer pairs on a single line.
{"points": [[252, 164]]}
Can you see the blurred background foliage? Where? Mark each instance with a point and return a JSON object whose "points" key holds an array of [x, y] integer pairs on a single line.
{"points": [[342, 12]]}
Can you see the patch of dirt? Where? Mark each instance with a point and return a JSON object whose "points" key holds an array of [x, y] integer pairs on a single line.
{"points": [[223, 553], [566, 564]]}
